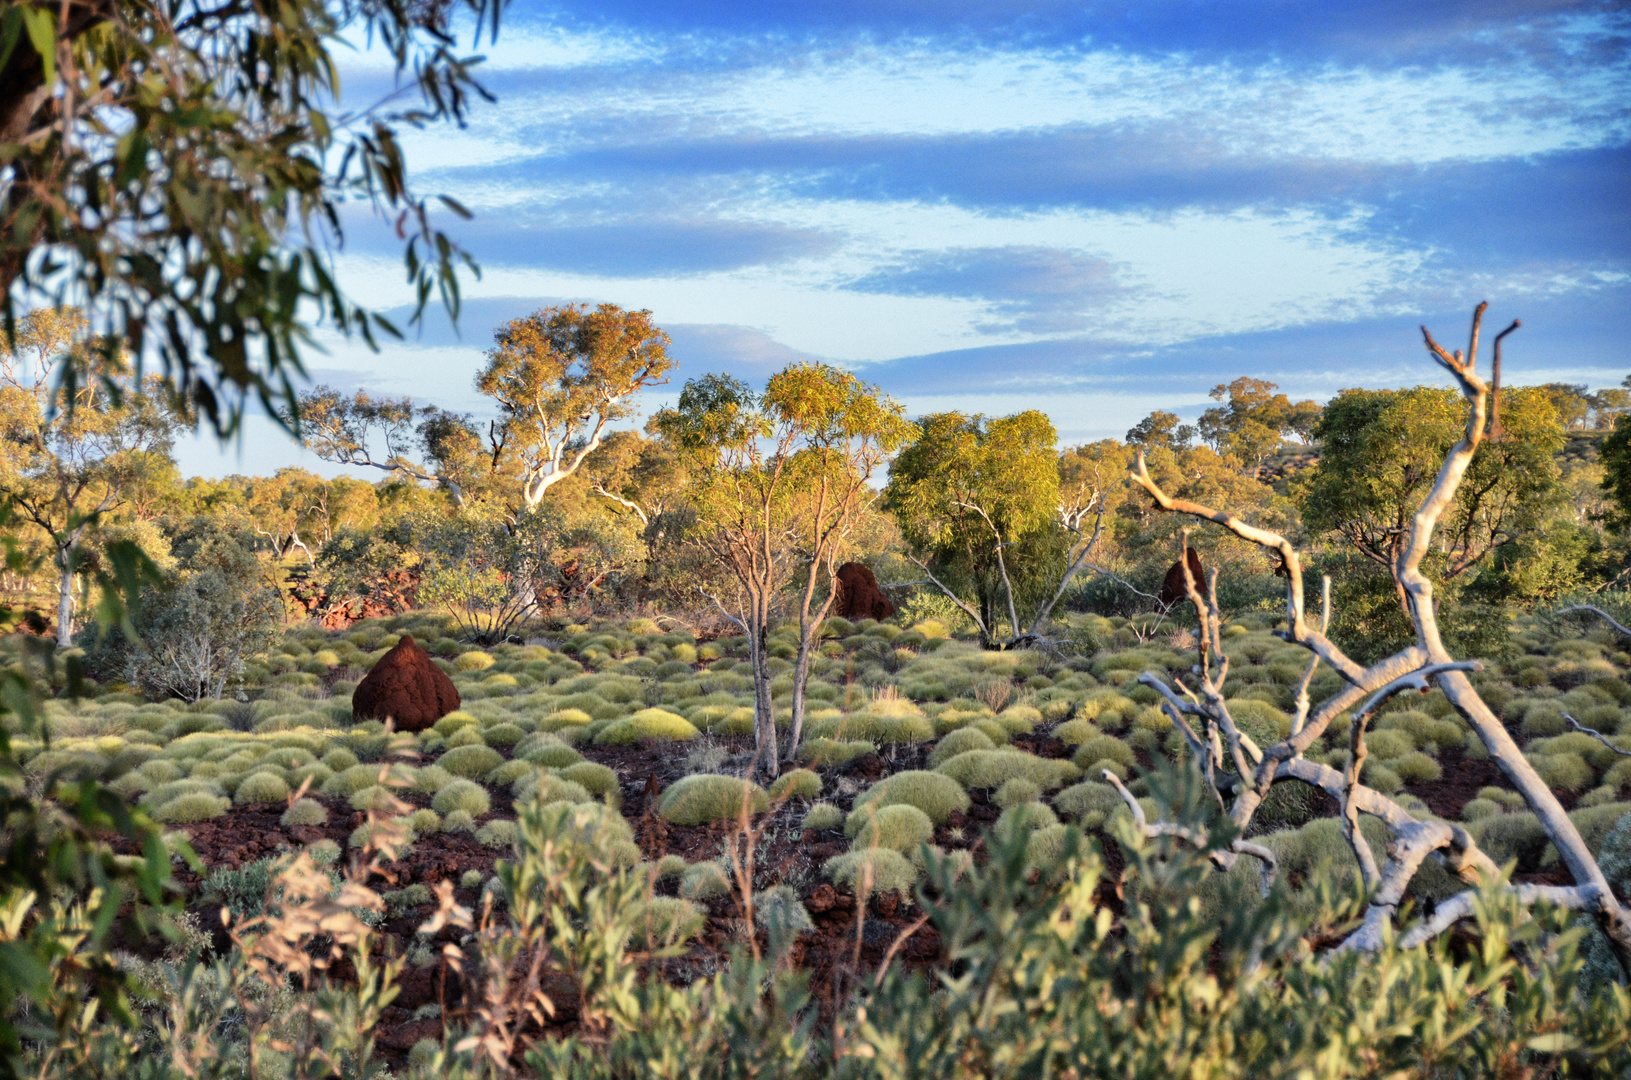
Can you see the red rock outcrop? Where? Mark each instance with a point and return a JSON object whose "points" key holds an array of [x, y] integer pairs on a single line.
{"points": [[406, 686], [859, 596]]}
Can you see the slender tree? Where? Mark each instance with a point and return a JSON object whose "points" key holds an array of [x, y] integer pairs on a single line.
{"points": [[782, 479], [71, 453]]}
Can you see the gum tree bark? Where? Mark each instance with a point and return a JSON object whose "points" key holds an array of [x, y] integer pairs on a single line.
{"points": [[1418, 667]]}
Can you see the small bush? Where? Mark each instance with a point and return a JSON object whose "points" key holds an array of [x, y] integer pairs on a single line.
{"points": [[565, 718], [823, 816], [1016, 791], [471, 761], [503, 735], [1565, 772], [646, 724], [1091, 803], [1105, 748], [1046, 846], [469, 735], [666, 921], [497, 834], [552, 756], [1478, 809], [1076, 732], [703, 798], [1029, 815], [510, 772], [1020, 719], [779, 906], [990, 768], [339, 759], [463, 795], [475, 660], [1389, 745], [425, 821], [459, 821], [899, 826], [887, 869], [1416, 767], [431, 779], [796, 784], [960, 741], [261, 788], [186, 809], [833, 752], [934, 793], [704, 881], [372, 798], [305, 812], [595, 778]]}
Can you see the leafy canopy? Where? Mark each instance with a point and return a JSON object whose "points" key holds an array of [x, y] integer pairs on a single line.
{"points": [[182, 169]]}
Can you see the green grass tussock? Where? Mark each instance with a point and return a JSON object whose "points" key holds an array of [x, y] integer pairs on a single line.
{"points": [[704, 798], [934, 793], [990, 768]]}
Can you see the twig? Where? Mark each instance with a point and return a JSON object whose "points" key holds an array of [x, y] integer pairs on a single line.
{"points": [[1575, 725], [894, 946], [1597, 611]]}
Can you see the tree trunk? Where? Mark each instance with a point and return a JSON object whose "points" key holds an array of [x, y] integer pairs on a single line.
{"points": [[764, 708], [65, 598]]}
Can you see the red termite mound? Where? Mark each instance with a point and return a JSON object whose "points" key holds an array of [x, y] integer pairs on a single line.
{"points": [[407, 687]]}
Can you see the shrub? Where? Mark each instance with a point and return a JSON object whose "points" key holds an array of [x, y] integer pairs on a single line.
{"points": [[547, 788], [1090, 802], [833, 752], [704, 881], [1565, 772], [510, 772], [497, 834], [357, 777], [796, 784], [1105, 748], [1029, 815], [779, 907], [459, 821], [1020, 719], [887, 869], [934, 793], [1262, 721], [339, 759], [463, 795], [474, 660], [425, 821], [552, 756], [703, 798], [823, 816], [989, 768], [1017, 791], [1416, 767], [261, 788], [889, 723], [960, 741], [1076, 732], [372, 798], [666, 921], [1388, 745], [564, 718], [898, 826], [470, 761], [1046, 846], [431, 779], [185, 809], [595, 778], [469, 735], [305, 812], [1478, 809], [646, 724], [502, 735], [596, 825]]}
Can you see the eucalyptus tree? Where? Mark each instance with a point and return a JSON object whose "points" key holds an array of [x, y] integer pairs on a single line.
{"points": [[72, 451], [560, 376], [781, 479], [182, 170]]}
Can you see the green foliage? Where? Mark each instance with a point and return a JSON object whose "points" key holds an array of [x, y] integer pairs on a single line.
{"points": [[796, 784], [470, 761], [898, 826], [595, 778], [934, 793], [462, 795], [646, 724], [874, 869], [261, 788], [702, 798], [958, 742], [704, 881], [823, 816], [990, 768]]}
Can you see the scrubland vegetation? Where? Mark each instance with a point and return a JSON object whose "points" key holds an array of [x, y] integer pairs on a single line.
{"points": [[1352, 799]]}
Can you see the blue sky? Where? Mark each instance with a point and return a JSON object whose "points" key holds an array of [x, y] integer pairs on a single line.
{"points": [[1094, 209]]}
